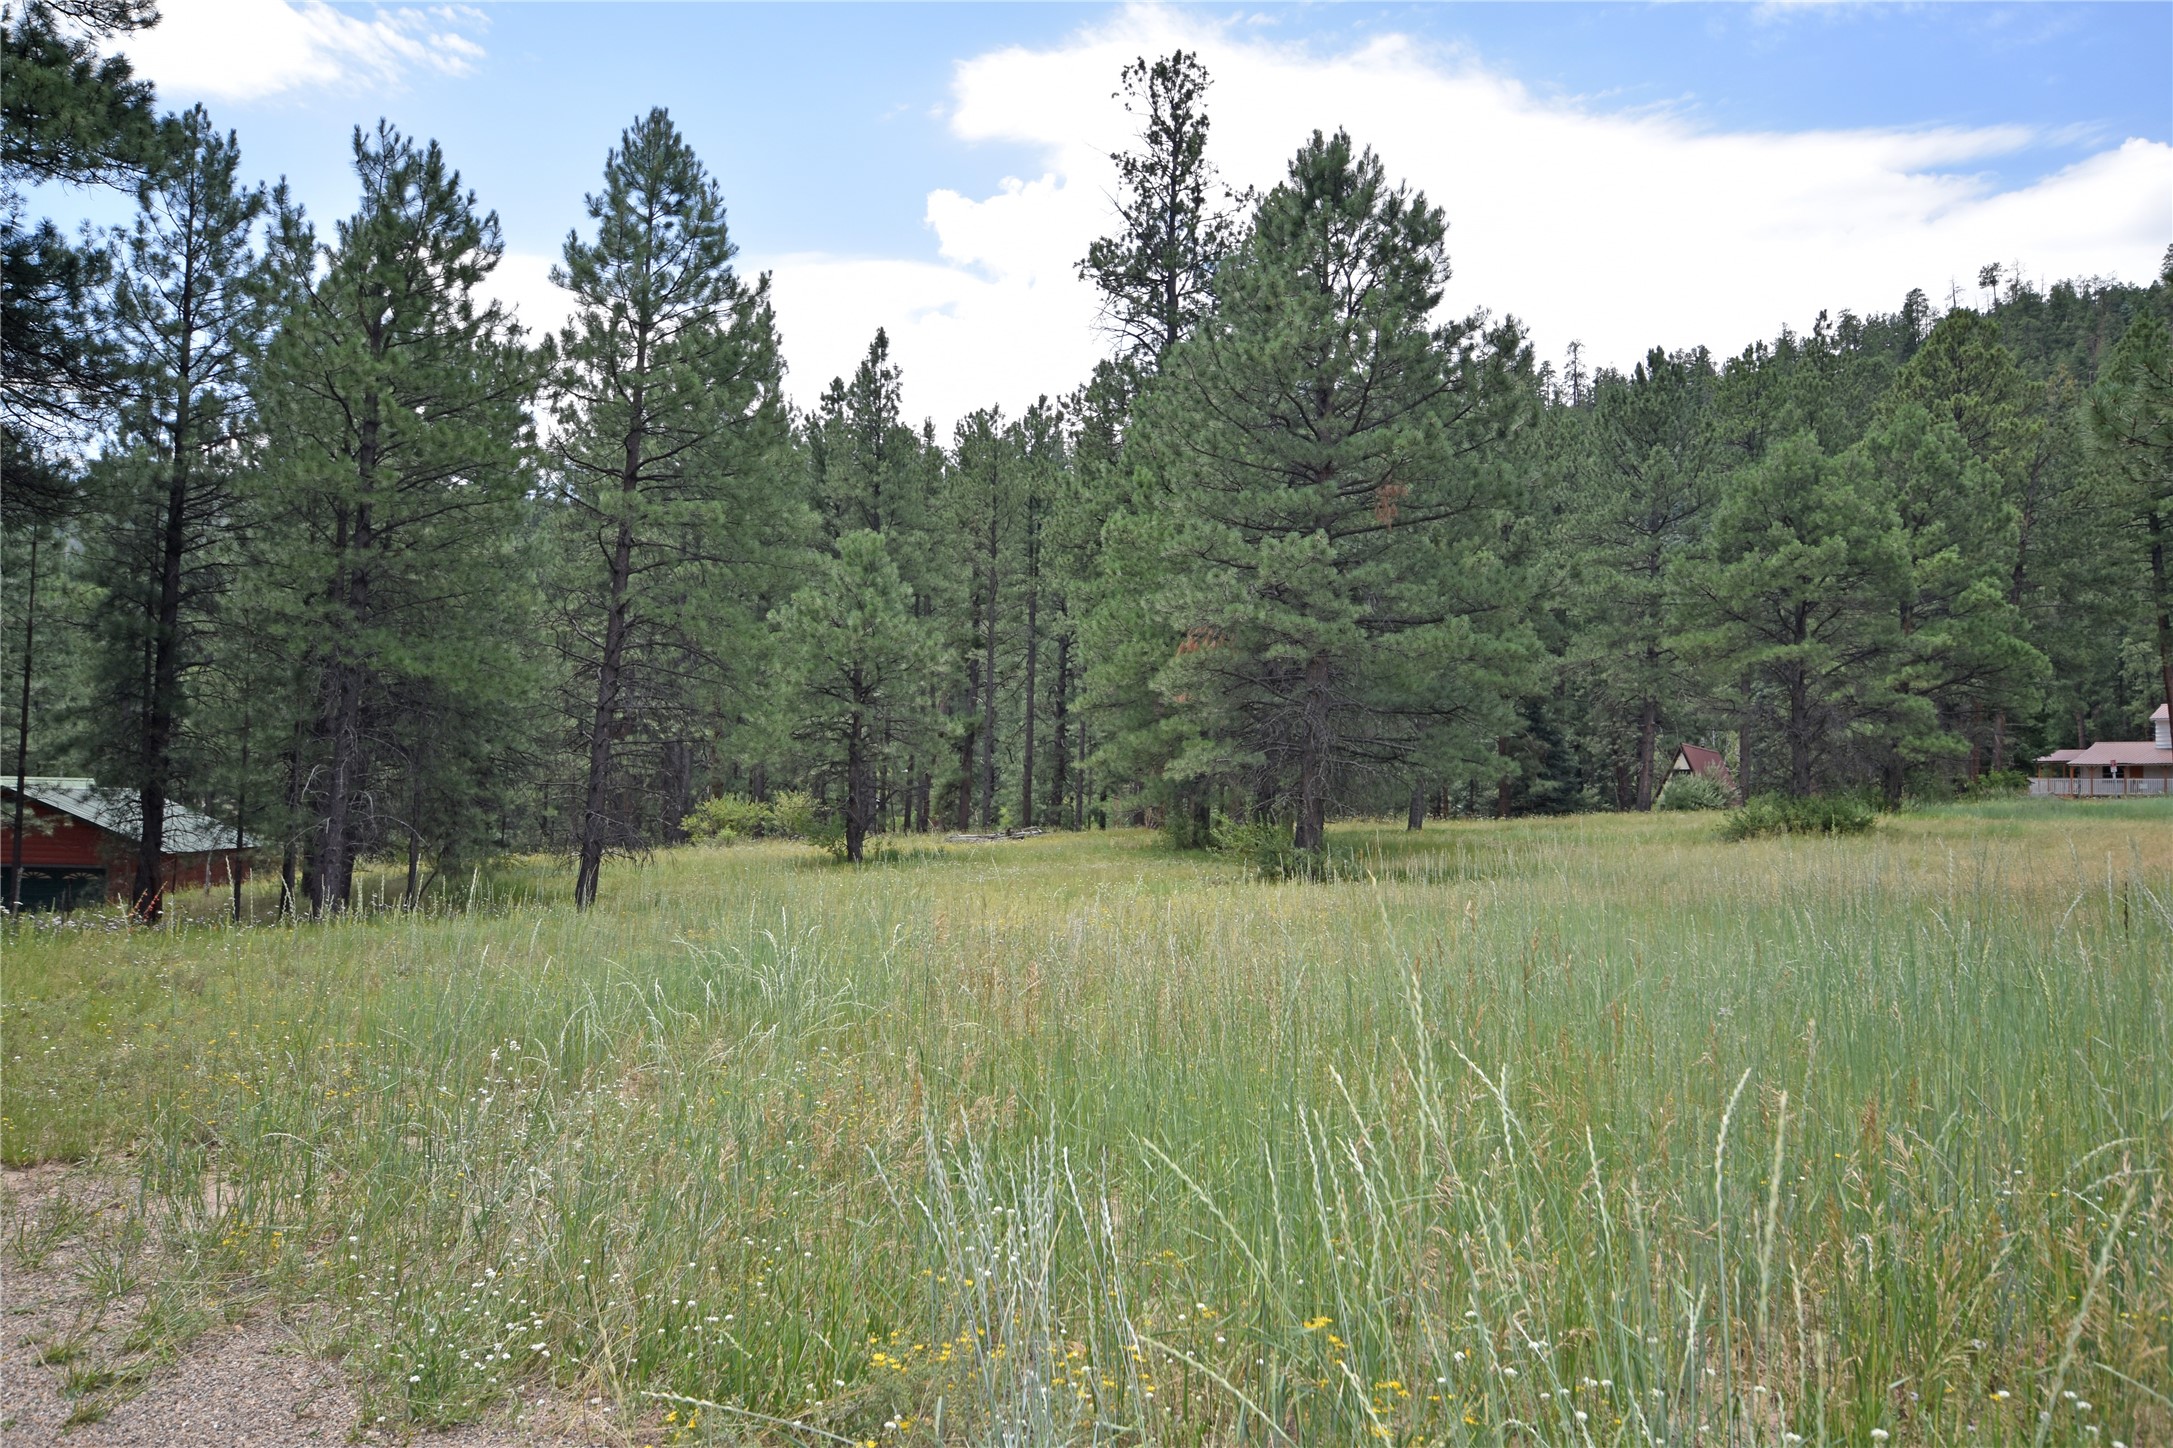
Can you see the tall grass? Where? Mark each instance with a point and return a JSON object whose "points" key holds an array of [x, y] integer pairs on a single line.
{"points": [[1582, 1131]]}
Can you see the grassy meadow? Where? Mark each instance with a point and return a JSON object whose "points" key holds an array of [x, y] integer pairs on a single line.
{"points": [[1575, 1131]]}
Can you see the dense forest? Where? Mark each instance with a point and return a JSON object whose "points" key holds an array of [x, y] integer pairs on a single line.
{"points": [[303, 530]]}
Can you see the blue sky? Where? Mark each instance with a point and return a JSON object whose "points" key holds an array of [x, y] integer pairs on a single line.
{"points": [[1622, 174]]}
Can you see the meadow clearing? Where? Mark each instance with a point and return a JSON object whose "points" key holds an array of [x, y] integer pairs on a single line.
{"points": [[1589, 1130]]}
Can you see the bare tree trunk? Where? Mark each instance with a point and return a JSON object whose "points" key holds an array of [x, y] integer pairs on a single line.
{"points": [[1314, 742], [22, 731], [1417, 820]]}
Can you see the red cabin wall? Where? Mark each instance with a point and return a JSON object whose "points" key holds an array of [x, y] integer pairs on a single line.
{"points": [[70, 842], [76, 844]]}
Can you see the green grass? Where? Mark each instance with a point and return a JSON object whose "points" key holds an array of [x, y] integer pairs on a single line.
{"points": [[1564, 1131]]}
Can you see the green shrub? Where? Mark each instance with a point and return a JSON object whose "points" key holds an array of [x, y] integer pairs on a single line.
{"points": [[1263, 845], [1268, 849], [828, 836], [726, 818], [1693, 791], [1816, 814], [792, 815], [1996, 782]]}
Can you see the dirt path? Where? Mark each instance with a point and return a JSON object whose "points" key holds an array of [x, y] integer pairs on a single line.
{"points": [[77, 1366]]}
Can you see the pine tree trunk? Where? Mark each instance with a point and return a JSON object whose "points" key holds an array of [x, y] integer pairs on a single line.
{"points": [[1648, 743], [1313, 746], [595, 809], [1079, 781], [288, 854], [1799, 737], [1060, 756], [241, 816], [343, 726], [1799, 714], [155, 768], [988, 692], [969, 739], [22, 731], [1417, 820], [857, 803], [1033, 651], [595, 806], [411, 896], [334, 867]]}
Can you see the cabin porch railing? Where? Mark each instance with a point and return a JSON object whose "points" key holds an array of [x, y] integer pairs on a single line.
{"points": [[2100, 788]]}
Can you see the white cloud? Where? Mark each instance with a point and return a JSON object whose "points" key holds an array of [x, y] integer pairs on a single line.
{"points": [[1623, 232], [522, 281], [247, 50]]}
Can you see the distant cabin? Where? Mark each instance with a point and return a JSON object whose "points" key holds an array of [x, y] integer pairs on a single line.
{"points": [[80, 840], [1697, 759], [2111, 768]]}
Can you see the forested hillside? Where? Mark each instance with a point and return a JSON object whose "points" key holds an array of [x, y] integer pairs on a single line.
{"points": [[304, 530]]}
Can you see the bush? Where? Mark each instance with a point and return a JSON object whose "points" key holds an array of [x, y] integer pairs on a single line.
{"points": [[792, 815], [1263, 845], [1267, 847], [1693, 791], [726, 818], [1817, 814], [829, 837], [1997, 782], [1190, 823]]}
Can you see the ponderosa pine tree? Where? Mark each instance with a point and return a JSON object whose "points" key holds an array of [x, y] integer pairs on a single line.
{"points": [[398, 457], [1643, 472], [671, 438], [1155, 275], [1335, 502], [2131, 417], [981, 497], [1962, 476], [870, 470], [69, 116], [856, 659], [187, 317], [1791, 602]]}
